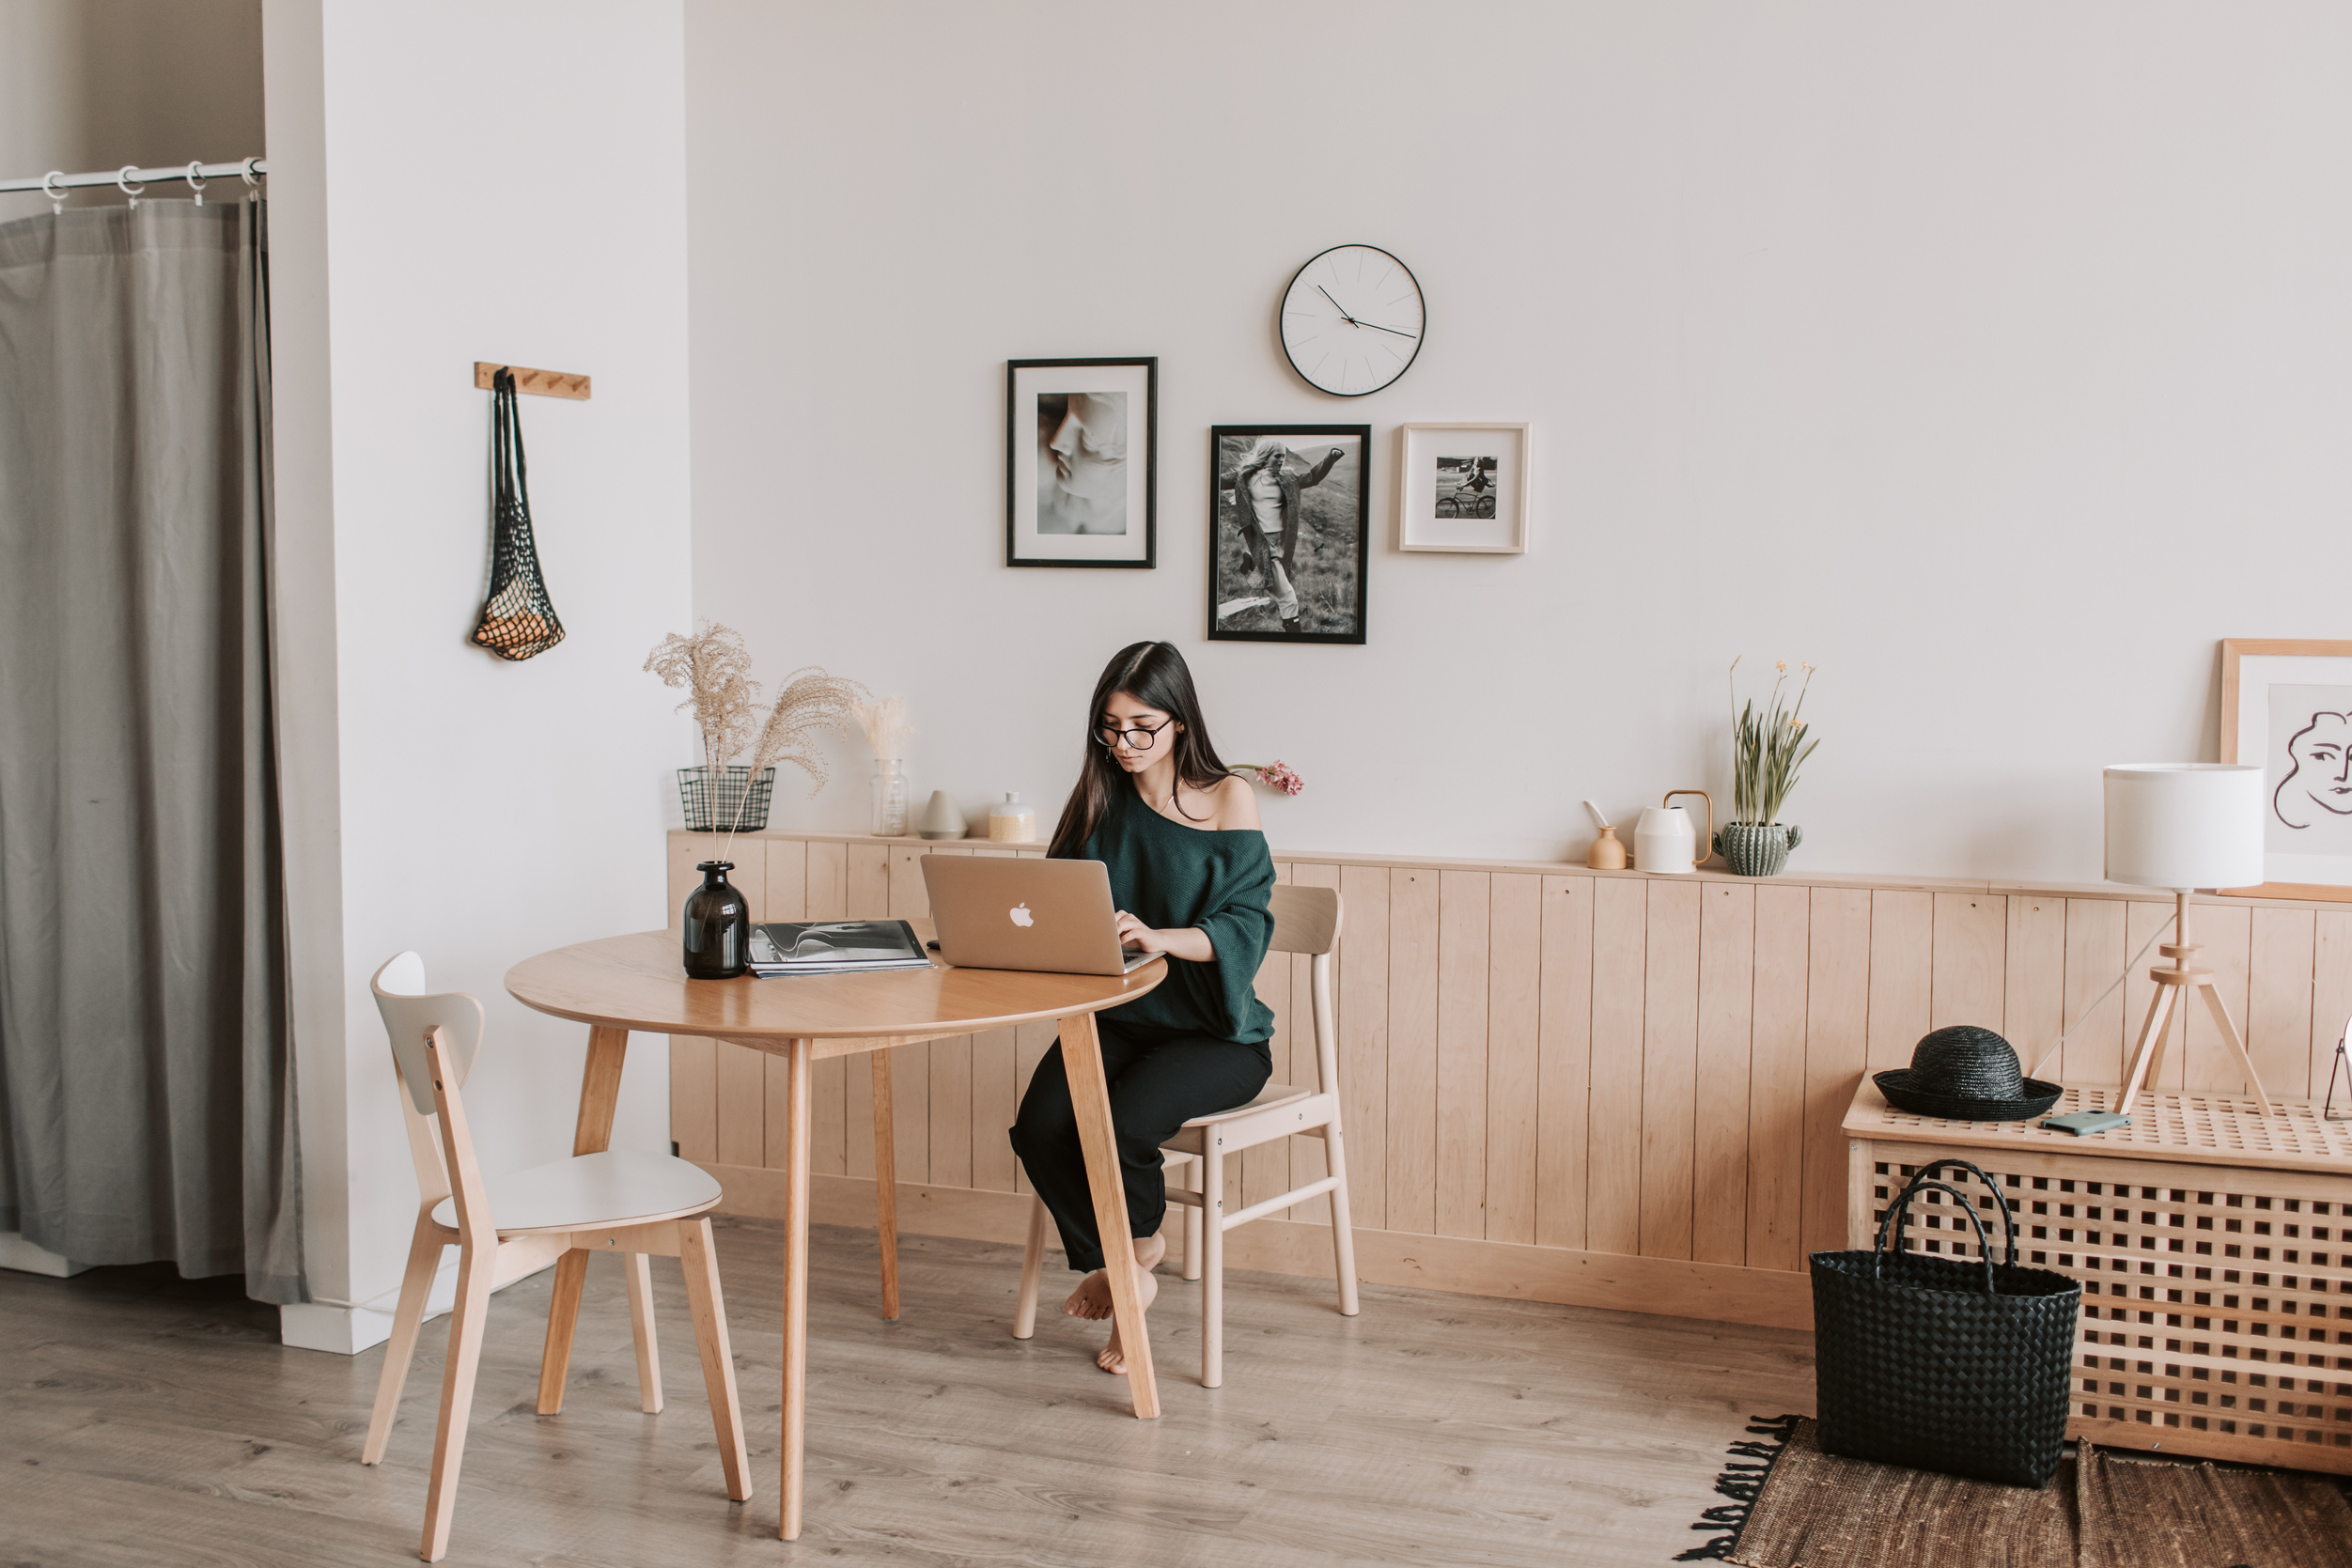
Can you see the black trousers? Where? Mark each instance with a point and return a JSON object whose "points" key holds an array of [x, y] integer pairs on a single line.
{"points": [[1159, 1080]]}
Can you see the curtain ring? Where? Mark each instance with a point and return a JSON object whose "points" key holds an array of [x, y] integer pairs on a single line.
{"points": [[122, 178], [55, 194], [253, 185], [195, 179]]}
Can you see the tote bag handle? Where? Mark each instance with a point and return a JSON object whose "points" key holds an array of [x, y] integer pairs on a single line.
{"points": [[2008, 1215], [1895, 1211]]}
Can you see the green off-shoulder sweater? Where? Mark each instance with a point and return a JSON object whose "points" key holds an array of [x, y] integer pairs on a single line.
{"points": [[1171, 876]]}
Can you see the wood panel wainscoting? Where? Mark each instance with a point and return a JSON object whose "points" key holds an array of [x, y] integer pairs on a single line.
{"points": [[1609, 1089]]}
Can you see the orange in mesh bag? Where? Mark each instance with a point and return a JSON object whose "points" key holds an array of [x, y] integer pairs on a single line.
{"points": [[518, 618]]}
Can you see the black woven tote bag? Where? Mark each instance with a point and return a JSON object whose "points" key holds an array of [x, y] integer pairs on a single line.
{"points": [[1939, 1363]]}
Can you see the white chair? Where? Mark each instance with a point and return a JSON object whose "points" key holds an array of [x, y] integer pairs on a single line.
{"points": [[621, 1202], [1306, 920]]}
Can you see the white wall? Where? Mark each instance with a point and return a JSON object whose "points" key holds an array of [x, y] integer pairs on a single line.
{"points": [[97, 84], [453, 182], [1993, 358]]}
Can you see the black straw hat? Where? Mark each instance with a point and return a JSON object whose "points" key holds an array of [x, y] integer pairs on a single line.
{"points": [[1965, 1074]]}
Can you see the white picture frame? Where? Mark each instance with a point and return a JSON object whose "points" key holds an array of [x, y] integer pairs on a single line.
{"points": [[1082, 462], [1462, 487], [2288, 705]]}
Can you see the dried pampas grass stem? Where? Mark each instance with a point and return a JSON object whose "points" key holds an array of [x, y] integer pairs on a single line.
{"points": [[714, 668], [810, 702], [884, 722]]}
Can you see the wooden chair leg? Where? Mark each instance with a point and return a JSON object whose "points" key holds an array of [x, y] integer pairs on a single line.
{"points": [[1343, 1227], [562, 1317], [408, 1319], [700, 1259], [640, 1270], [886, 1183], [1192, 1218], [1212, 1264], [1032, 1267], [466, 1321]]}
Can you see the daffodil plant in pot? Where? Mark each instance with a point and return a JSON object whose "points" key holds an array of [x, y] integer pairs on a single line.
{"points": [[1768, 748]]}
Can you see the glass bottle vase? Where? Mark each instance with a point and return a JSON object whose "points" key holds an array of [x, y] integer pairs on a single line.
{"points": [[890, 800], [718, 922]]}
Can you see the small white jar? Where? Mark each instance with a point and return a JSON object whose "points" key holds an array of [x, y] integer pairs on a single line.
{"points": [[1013, 821]]}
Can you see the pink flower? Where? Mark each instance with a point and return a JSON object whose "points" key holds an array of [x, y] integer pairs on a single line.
{"points": [[1274, 775]]}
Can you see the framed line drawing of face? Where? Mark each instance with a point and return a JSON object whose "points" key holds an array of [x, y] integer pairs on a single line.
{"points": [[2288, 705], [1082, 462]]}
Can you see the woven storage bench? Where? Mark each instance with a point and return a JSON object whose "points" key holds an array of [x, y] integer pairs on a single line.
{"points": [[2214, 1245]]}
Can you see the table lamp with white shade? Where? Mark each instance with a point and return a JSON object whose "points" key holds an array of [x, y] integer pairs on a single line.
{"points": [[2184, 825]]}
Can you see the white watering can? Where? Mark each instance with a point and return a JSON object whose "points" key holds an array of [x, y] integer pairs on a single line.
{"points": [[1664, 840]]}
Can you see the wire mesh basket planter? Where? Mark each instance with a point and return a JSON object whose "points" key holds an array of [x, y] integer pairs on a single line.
{"points": [[714, 798]]}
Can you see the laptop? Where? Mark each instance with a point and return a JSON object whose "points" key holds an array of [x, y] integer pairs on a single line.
{"points": [[996, 912]]}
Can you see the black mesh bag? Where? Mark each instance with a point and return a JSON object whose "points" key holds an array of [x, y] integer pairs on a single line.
{"points": [[1942, 1363], [518, 618]]}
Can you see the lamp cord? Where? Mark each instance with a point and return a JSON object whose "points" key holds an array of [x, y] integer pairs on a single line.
{"points": [[2130, 964]]}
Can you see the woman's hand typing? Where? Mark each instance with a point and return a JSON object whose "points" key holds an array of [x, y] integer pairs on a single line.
{"points": [[1190, 944]]}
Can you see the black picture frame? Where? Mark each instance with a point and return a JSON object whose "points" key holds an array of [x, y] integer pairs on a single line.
{"points": [[1026, 544], [1334, 538]]}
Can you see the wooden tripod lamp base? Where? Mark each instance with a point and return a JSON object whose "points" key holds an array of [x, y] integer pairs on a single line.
{"points": [[2173, 983]]}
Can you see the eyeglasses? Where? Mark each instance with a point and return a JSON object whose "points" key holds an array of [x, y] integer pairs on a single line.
{"points": [[1138, 739]]}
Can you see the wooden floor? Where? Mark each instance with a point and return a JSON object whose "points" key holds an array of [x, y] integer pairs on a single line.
{"points": [[147, 1421]]}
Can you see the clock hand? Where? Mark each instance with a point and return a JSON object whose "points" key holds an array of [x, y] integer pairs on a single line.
{"points": [[1377, 328], [1341, 308]]}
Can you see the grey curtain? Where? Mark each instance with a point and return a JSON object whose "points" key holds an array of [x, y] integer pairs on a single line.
{"points": [[146, 1103]]}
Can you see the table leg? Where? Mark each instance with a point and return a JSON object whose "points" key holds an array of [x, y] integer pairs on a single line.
{"points": [[800, 1054], [600, 1092], [1861, 1195], [886, 1181], [1090, 1097]]}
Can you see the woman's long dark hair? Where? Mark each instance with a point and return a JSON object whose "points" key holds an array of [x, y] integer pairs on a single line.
{"points": [[1154, 675]]}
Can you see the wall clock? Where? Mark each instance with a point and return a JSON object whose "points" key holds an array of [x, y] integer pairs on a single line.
{"points": [[1352, 320]]}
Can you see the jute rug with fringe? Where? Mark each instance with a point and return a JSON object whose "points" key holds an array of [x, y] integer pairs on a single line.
{"points": [[1819, 1510]]}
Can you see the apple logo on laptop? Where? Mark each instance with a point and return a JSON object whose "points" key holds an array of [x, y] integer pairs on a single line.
{"points": [[1021, 914]]}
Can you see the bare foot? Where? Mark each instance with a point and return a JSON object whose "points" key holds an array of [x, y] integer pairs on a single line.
{"points": [[1111, 1359], [1092, 1298], [1148, 1252]]}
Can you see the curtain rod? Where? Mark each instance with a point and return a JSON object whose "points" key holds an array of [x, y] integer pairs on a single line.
{"points": [[61, 181]]}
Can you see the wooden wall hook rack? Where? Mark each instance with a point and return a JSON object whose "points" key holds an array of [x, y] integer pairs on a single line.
{"points": [[547, 384]]}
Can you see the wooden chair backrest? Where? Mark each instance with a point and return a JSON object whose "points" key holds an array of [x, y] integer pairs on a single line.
{"points": [[439, 1142], [410, 1014], [1306, 920]]}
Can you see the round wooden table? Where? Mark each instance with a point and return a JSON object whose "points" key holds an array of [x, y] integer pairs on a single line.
{"points": [[619, 984]]}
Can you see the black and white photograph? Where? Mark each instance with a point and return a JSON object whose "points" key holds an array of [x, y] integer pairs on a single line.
{"points": [[1081, 463], [1290, 522], [1462, 488], [1466, 486]]}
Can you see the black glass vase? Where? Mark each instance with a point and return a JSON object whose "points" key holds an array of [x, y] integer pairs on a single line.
{"points": [[718, 926]]}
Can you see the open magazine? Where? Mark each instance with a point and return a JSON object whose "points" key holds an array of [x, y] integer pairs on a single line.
{"points": [[835, 947]]}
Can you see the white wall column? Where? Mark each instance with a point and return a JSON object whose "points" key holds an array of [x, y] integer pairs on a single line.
{"points": [[455, 182]]}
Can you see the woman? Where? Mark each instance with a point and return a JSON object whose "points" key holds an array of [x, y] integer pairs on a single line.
{"points": [[1191, 876], [1271, 509]]}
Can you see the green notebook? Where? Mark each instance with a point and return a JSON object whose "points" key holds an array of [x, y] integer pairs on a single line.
{"points": [[2083, 1123]]}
